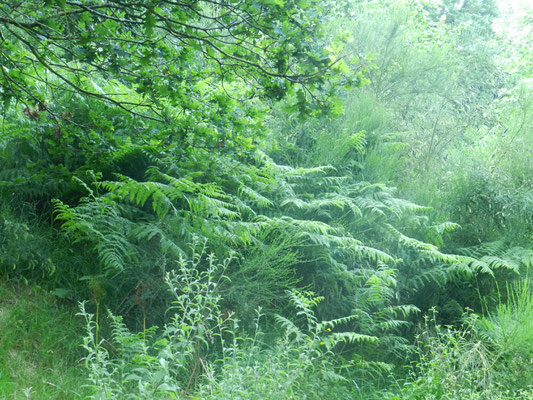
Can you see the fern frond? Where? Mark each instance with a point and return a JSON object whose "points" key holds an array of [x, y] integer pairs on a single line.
{"points": [[496, 262], [437, 275], [408, 241], [333, 323], [255, 196], [391, 325], [288, 326], [307, 225], [400, 207], [376, 208], [468, 265], [404, 310], [374, 254], [436, 233], [212, 207], [139, 193], [114, 252], [298, 173], [351, 337], [357, 141]]}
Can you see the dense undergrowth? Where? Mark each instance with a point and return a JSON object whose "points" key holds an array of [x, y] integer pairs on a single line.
{"points": [[265, 209]]}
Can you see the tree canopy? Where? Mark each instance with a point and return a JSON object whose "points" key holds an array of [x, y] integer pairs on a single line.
{"points": [[176, 55]]}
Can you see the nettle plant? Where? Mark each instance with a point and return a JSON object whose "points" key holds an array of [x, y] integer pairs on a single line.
{"points": [[200, 353], [160, 363]]}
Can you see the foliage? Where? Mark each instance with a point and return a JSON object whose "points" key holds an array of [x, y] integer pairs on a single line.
{"points": [[262, 277], [176, 361], [447, 95], [136, 222], [174, 56], [154, 367], [33, 252]]}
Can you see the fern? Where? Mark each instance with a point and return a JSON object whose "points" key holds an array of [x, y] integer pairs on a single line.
{"points": [[97, 221], [255, 196], [499, 255], [349, 234], [437, 233]]}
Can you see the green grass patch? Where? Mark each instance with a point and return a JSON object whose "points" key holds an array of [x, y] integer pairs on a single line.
{"points": [[39, 346]]}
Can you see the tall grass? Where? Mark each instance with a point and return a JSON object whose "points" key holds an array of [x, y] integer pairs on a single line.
{"points": [[509, 330], [488, 358]]}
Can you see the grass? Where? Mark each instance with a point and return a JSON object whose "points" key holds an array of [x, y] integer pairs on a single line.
{"points": [[39, 346], [509, 330]]}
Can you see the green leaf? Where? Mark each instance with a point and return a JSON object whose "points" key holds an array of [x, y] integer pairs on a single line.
{"points": [[149, 23]]}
